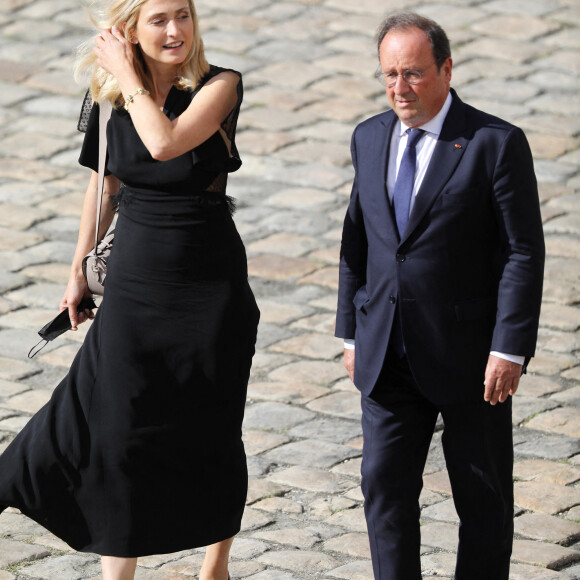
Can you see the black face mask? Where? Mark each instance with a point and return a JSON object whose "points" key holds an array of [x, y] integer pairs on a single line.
{"points": [[59, 324]]}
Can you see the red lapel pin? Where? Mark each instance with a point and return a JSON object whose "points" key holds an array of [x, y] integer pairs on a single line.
{"points": [[457, 146]]}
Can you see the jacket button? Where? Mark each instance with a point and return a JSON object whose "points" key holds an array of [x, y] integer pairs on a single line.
{"points": [[392, 299], [401, 257]]}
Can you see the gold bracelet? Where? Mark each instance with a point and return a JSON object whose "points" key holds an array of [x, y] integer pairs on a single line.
{"points": [[131, 98]]}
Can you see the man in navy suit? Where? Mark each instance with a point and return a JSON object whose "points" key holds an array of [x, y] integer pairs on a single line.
{"points": [[439, 298]]}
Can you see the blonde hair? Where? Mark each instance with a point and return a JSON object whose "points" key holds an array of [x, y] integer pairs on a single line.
{"points": [[124, 14]]}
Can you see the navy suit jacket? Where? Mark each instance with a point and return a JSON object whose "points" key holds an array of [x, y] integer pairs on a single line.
{"points": [[466, 275]]}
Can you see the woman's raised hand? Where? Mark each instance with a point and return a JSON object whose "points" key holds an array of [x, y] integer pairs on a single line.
{"points": [[114, 52]]}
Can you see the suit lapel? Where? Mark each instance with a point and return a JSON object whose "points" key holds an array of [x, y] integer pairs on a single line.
{"points": [[386, 129], [447, 154]]}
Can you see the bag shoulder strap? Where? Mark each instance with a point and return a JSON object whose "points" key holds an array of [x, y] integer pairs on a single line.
{"points": [[105, 110]]}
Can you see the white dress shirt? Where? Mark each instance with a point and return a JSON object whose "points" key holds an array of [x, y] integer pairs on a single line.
{"points": [[424, 149]]}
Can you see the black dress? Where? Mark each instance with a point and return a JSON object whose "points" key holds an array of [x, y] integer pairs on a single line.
{"points": [[139, 450]]}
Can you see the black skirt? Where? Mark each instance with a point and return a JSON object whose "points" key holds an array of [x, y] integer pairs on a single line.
{"points": [[139, 451]]}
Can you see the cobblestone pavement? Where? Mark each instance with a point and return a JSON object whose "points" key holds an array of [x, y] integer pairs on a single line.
{"points": [[308, 68]]}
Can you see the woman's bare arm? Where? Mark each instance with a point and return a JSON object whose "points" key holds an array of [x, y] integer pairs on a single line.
{"points": [[166, 139], [77, 288]]}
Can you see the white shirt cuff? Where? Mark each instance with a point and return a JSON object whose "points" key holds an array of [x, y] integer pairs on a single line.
{"points": [[349, 343], [511, 357]]}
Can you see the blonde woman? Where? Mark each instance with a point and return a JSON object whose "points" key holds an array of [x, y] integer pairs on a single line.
{"points": [[139, 450]]}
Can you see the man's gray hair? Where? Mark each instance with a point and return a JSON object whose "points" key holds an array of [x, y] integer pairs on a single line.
{"points": [[405, 20]]}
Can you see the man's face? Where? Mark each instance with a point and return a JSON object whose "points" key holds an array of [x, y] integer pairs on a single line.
{"points": [[402, 50]]}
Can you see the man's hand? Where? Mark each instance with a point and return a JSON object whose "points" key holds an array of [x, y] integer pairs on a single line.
{"points": [[348, 361], [502, 378]]}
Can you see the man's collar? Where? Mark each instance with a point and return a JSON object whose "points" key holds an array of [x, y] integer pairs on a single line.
{"points": [[435, 125]]}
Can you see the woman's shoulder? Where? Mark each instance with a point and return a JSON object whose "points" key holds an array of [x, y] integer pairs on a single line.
{"points": [[213, 72], [217, 70]]}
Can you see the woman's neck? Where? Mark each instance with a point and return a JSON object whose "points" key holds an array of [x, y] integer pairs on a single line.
{"points": [[162, 79]]}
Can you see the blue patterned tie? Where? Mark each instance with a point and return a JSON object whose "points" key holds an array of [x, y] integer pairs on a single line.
{"points": [[405, 180]]}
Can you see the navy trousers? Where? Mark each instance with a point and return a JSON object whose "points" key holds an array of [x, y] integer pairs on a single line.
{"points": [[398, 423]]}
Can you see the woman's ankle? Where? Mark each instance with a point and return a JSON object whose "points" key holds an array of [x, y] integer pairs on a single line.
{"points": [[118, 568], [206, 574], [215, 564]]}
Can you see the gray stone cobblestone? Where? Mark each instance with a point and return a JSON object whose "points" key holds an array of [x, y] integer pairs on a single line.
{"points": [[308, 67]]}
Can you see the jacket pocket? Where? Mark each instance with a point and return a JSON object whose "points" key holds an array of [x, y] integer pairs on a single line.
{"points": [[461, 197], [475, 308], [361, 299]]}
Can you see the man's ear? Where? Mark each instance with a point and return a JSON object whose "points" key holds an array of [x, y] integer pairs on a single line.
{"points": [[447, 67]]}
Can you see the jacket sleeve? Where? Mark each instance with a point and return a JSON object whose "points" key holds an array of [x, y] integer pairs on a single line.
{"points": [[516, 202], [353, 257]]}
